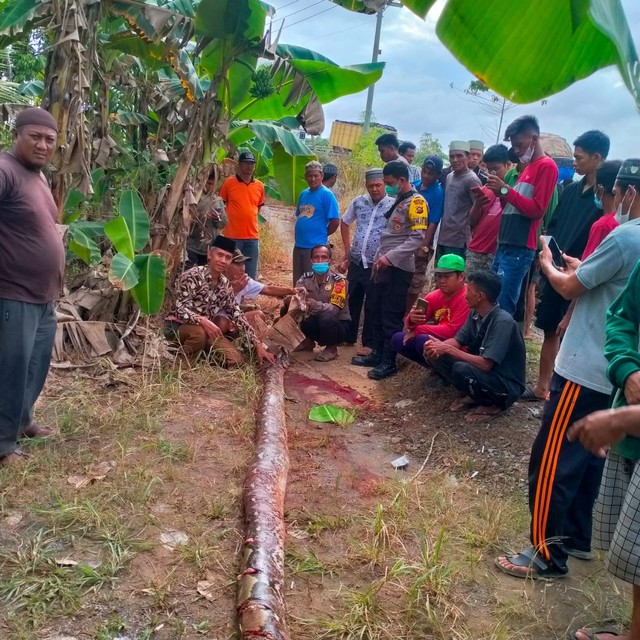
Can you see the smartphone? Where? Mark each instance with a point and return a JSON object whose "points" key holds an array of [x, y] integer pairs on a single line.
{"points": [[422, 304], [556, 254]]}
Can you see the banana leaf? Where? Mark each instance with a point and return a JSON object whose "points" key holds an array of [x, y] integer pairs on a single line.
{"points": [[331, 413], [149, 292]]}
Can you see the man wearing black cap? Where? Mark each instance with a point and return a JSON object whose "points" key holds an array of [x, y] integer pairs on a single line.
{"points": [[207, 313], [244, 196], [330, 172], [564, 476], [31, 272]]}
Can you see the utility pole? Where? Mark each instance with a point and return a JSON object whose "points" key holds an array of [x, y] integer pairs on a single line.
{"points": [[374, 58]]}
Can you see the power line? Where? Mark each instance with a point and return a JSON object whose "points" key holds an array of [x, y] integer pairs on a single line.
{"points": [[293, 13], [334, 33], [335, 6], [284, 6]]}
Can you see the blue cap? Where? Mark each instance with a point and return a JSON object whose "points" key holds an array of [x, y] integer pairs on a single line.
{"points": [[433, 162]]}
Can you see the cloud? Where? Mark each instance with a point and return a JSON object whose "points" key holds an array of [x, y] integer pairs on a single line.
{"points": [[415, 96]]}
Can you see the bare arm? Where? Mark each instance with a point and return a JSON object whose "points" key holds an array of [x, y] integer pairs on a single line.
{"points": [[277, 292], [345, 232], [333, 225]]}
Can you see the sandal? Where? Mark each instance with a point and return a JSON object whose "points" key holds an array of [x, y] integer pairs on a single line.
{"points": [[530, 396], [535, 563], [594, 632]]}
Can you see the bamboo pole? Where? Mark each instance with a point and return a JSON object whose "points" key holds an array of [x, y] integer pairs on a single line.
{"points": [[260, 604]]}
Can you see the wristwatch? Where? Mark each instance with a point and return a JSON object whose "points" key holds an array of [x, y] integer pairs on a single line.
{"points": [[504, 191]]}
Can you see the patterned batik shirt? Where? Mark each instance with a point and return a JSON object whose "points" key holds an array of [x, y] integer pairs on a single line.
{"points": [[370, 223], [199, 295]]}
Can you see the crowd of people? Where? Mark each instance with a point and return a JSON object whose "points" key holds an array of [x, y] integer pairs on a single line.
{"points": [[498, 223]]}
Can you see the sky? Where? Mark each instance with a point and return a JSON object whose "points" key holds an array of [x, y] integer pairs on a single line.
{"points": [[415, 94]]}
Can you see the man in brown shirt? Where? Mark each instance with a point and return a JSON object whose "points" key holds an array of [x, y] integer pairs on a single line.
{"points": [[31, 271]]}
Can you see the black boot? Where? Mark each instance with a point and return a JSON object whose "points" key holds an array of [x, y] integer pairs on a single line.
{"points": [[372, 360], [386, 368]]}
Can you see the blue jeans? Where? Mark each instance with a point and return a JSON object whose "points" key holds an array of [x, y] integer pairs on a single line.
{"points": [[251, 249], [512, 265]]}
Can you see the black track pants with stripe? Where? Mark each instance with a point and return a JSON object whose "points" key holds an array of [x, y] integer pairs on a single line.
{"points": [[563, 476]]}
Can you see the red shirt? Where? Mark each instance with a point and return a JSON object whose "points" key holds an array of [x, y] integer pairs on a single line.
{"points": [[600, 229], [527, 203], [447, 313], [485, 235]]}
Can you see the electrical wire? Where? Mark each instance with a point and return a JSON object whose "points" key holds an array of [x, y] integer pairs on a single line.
{"points": [[284, 6], [335, 6], [293, 13], [335, 33]]}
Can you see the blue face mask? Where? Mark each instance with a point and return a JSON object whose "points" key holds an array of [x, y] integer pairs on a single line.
{"points": [[597, 202], [320, 267]]}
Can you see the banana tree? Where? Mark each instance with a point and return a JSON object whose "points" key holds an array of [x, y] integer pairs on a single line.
{"points": [[526, 51], [177, 73]]}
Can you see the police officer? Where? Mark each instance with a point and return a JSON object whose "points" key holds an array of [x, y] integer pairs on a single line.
{"points": [[329, 319], [393, 268]]}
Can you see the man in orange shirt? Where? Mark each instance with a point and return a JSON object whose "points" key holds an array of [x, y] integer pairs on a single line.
{"points": [[244, 195]]}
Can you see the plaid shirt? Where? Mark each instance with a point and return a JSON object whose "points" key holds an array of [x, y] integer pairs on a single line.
{"points": [[198, 295]]}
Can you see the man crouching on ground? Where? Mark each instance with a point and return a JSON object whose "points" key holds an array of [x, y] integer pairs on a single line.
{"points": [[206, 312], [329, 319], [491, 372]]}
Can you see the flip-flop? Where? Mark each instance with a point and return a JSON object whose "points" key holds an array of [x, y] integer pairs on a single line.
{"points": [[530, 396], [538, 568], [322, 357], [594, 632]]}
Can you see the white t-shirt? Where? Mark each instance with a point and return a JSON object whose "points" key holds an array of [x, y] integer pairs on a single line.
{"points": [[252, 290]]}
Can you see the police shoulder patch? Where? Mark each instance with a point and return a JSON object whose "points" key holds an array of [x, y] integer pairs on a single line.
{"points": [[418, 212]]}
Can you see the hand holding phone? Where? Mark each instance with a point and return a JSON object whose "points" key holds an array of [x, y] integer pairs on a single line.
{"points": [[556, 253], [422, 305]]}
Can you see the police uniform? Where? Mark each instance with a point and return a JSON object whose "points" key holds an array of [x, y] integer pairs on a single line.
{"points": [[399, 242], [329, 321]]}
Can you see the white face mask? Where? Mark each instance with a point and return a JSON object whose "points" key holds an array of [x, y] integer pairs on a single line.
{"points": [[525, 158], [621, 218]]}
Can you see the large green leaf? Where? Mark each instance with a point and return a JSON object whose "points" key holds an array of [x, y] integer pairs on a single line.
{"points": [[149, 292], [289, 173], [82, 244], [117, 231], [270, 133], [537, 49], [609, 17], [330, 82], [292, 51], [241, 21], [123, 272], [135, 215], [14, 15]]}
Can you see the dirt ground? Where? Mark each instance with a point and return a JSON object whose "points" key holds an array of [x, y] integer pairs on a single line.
{"points": [[148, 546]]}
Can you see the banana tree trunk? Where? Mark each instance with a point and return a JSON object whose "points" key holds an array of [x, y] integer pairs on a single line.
{"points": [[68, 75], [261, 609]]}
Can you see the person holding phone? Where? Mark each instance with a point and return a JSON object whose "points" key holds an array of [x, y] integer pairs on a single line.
{"points": [[439, 314], [569, 225], [486, 213], [563, 475]]}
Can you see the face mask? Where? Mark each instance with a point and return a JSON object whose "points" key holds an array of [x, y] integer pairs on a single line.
{"points": [[528, 154], [392, 191], [320, 267], [621, 218], [597, 202]]}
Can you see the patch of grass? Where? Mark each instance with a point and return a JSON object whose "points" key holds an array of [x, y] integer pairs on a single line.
{"points": [[39, 581], [306, 563]]}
